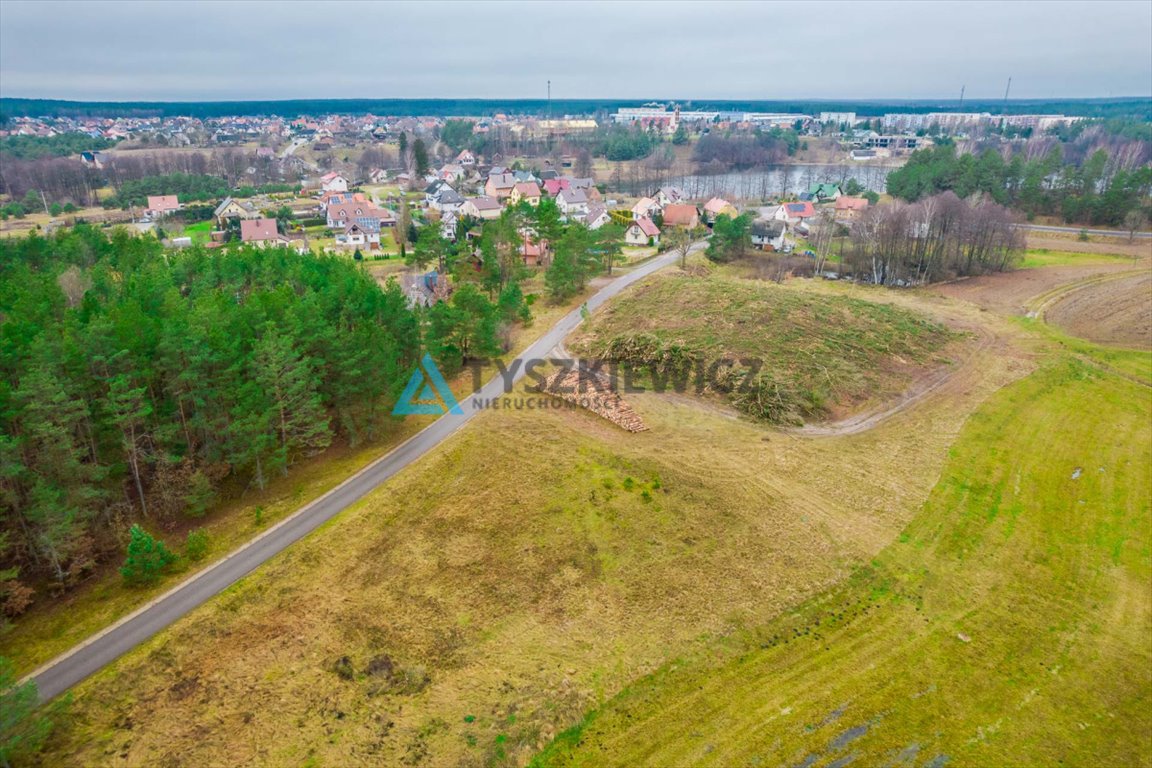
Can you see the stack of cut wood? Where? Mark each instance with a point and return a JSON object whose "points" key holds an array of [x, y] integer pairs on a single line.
{"points": [[594, 392]]}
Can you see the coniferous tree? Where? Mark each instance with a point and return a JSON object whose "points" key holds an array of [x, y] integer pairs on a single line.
{"points": [[147, 558]]}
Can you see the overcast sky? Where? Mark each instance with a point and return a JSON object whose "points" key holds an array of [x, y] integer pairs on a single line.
{"points": [[96, 50]]}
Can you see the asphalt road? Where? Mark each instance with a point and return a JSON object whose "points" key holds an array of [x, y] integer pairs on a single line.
{"points": [[70, 668], [1078, 230]]}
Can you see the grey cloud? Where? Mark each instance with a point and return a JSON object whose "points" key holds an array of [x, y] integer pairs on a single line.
{"points": [[242, 50]]}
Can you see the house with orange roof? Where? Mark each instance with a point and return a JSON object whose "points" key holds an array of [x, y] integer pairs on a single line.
{"points": [[850, 209], [681, 215]]}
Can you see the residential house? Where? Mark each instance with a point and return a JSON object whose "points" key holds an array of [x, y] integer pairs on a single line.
{"points": [[341, 214], [93, 159], [645, 208], [717, 206], [231, 208], [572, 202], [532, 252], [452, 173], [466, 158], [642, 232], [669, 196], [500, 185], [433, 190], [525, 191], [597, 216], [768, 234], [161, 205], [850, 209], [261, 232], [793, 214], [486, 208], [681, 215], [448, 201], [822, 193], [556, 185], [363, 235], [448, 225], [333, 182], [377, 176]]}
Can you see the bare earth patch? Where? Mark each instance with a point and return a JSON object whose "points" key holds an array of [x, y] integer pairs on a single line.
{"points": [[1108, 312]]}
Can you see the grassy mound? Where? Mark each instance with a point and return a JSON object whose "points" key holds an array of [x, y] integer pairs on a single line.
{"points": [[820, 355]]}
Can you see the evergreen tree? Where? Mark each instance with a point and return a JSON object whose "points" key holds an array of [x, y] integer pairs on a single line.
{"points": [[147, 558], [420, 157]]}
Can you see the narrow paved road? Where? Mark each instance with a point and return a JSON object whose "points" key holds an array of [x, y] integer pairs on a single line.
{"points": [[66, 670], [1078, 230]]}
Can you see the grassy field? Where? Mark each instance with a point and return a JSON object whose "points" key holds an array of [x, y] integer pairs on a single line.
{"points": [[526, 572], [827, 355], [1047, 257], [966, 581], [1007, 625]]}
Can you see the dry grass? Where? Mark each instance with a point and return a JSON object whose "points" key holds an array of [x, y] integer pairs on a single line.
{"points": [[830, 354], [523, 569]]}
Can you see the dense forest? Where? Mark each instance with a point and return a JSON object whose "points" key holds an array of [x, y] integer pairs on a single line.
{"points": [[60, 145], [136, 384], [716, 152], [1105, 188]]}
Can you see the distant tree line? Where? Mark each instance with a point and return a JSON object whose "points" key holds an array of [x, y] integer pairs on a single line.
{"points": [[66, 179], [60, 145], [1100, 190]]}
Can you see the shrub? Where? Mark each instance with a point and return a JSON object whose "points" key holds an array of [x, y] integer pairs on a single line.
{"points": [[147, 558], [196, 545]]}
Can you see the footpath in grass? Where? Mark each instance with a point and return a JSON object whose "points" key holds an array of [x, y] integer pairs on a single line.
{"points": [[1010, 624]]}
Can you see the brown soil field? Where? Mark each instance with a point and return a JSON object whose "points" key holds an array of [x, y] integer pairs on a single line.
{"points": [[1009, 292], [1115, 312]]}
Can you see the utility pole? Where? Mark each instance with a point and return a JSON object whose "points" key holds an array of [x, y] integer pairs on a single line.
{"points": [[961, 107], [1006, 89], [549, 101]]}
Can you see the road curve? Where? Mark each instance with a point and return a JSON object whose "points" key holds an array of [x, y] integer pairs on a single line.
{"points": [[68, 669]]}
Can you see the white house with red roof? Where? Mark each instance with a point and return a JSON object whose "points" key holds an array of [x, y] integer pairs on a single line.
{"points": [[466, 158], [794, 213], [333, 182], [162, 205], [261, 232], [642, 232]]}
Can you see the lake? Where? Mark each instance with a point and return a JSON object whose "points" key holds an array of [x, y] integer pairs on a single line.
{"points": [[778, 181]]}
